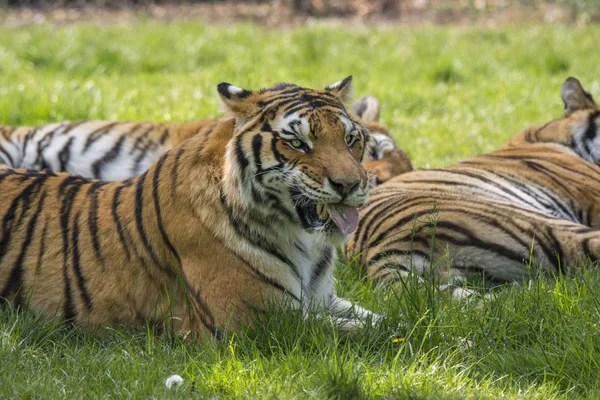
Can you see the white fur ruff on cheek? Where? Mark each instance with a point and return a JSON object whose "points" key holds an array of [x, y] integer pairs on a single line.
{"points": [[231, 166]]}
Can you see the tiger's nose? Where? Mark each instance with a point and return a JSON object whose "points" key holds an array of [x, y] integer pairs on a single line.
{"points": [[344, 186]]}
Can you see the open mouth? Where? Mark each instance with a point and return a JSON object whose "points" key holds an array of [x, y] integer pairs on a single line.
{"points": [[328, 216]]}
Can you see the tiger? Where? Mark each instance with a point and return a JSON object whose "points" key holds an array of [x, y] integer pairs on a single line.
{"points": [[113, 150], [529, 206], [213, 232], [385, 159]]}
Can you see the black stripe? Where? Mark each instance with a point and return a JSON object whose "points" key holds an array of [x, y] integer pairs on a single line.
{"points": [[139, 202], [15, 281], [175, 170], [159, 221], [28, 137], [114, 210], [8, 221], [142, 149], [70, 126], [240, 157], [377, 220], [8, 157], [44, 142], [68, 190], [137, 144], [108, 157], [93, 218], [296, 107], [388, 261], [42, 248], [165, 135], [98, 133], [76, 263], [64, 155], [323, 264], [207, 319], [590, 132], [68, 308]]}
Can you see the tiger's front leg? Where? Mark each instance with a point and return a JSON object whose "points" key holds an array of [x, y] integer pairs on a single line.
{"points": [[350, 316]]}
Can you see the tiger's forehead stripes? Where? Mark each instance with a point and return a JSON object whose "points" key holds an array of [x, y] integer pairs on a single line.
{"points": [[294, 126]]}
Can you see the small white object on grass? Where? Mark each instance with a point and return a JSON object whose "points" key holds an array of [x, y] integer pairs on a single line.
{"points": [[173, 380]]}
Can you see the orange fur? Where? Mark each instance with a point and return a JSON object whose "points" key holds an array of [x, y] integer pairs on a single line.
{"points": [[200, 238], [485, 213]]}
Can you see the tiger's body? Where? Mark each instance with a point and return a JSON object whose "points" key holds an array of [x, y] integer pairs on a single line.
{"points": [[106, 150], [533, 199], [192, 238], [112, 151]]}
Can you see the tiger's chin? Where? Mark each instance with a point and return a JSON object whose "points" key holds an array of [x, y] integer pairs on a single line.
{"points": [[335, 220]]}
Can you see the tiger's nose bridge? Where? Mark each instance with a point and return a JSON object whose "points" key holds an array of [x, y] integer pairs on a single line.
{"points": [[344, 177]]}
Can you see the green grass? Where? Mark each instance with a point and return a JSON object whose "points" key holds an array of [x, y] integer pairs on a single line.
{"points": [[446, 94]]}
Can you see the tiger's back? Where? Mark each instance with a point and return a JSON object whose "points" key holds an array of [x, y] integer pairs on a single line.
{"points": [[107, 150]]}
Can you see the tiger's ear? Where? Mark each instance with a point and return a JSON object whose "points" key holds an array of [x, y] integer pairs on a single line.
{"points": [[237, 101], [342, 89], [575, 97], [367, 108]]}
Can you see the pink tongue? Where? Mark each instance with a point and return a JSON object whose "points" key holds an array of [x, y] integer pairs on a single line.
{"points": [[346, 218]]}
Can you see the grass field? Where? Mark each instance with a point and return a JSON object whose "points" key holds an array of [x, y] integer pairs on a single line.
{"points": [[446, 93]]}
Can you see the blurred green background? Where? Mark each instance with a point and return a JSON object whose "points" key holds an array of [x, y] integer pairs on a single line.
{"points": [[446, 92]]}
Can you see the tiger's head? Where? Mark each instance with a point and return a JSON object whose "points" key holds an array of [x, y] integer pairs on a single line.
{"points": [[577, 129], [296, 155], [384, 159]]}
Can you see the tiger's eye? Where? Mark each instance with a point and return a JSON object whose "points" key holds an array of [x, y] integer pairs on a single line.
{"points": [[297, 143], [350, 139]]}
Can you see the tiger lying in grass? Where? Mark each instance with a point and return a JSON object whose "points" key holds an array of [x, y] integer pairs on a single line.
{"points": [[202, 217], [111, 150], [537, 195]]}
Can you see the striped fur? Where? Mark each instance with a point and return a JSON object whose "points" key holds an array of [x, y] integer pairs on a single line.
{"points": [[112, 150], [106, 150], [536, 195], [207, 234]]}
